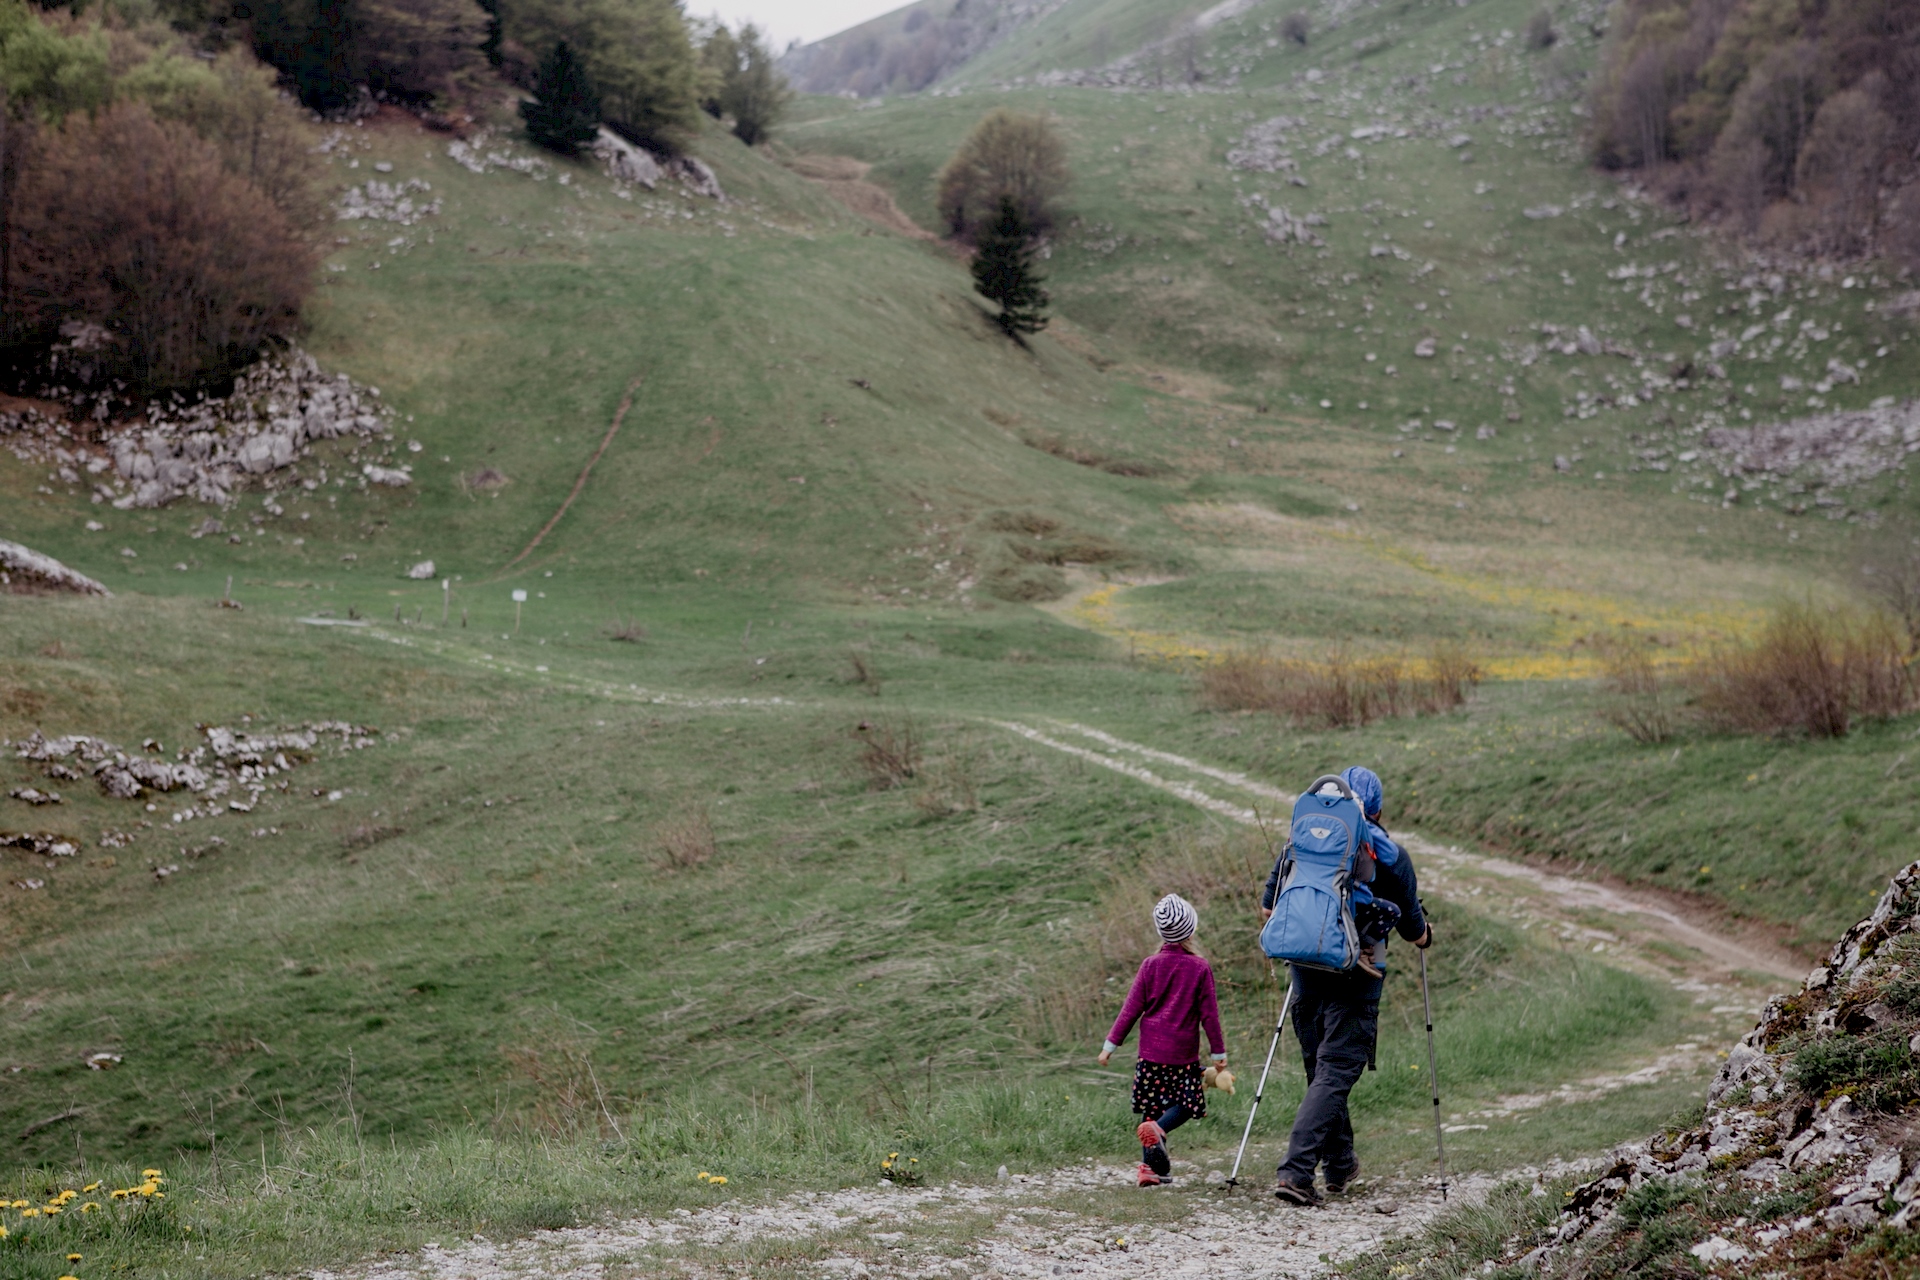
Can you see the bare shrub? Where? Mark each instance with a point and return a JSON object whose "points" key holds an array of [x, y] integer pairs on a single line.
{"points": [[487, 479], [1451, 676], [1296, 27], [1341, 691], [557, 1091], [1540, 33], [1890, 564], [686, 839], [1810, 672], [1640, 701], [134, 225], [1007, 154], [1839, 168], [861, 671], [1737, 181], [626, 630], [889, 751], [949, 783]]}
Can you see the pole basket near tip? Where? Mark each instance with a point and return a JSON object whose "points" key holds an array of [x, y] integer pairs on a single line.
{"points": [[1433, 1075], [1286, 1006]]}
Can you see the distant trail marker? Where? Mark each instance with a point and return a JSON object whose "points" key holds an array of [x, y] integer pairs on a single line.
{"points": [[519, 598], [619, 416]]}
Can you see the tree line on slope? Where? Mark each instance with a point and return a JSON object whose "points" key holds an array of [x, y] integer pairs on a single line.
{"points": [[1794, 122], [160, 204]]}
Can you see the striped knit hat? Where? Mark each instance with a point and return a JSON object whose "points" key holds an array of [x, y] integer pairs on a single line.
{"points": [[1175, 918]]}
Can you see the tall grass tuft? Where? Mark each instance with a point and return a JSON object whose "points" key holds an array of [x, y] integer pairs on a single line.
{"points": [[1342, 691], [1809, 672]]}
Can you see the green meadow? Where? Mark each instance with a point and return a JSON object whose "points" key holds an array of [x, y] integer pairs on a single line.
{"points": [[619, 895]]}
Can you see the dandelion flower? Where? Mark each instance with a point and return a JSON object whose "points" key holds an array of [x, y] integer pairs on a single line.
{"points": [[29, 1213], [73, 1257], [17, 1204], [69, 1278], [704, 1175], [893, 1155], [150, 1173], [52, 1209], [4, 1233], [121, 1194], [91, 1187], [89, 1207], [716, 1182]]}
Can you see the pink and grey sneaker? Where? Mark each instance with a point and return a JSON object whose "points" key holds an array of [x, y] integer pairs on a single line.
{"points": [[1153, 1147], [1148, 1178]]}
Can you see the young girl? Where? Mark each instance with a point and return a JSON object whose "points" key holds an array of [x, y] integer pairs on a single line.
{"points": [[1172, 999]]}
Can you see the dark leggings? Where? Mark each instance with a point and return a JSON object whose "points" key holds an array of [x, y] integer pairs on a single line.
{"points": [[1175, 1116]]}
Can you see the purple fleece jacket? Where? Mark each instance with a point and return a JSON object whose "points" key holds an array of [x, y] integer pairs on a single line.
{"points": [[1172, 998]]}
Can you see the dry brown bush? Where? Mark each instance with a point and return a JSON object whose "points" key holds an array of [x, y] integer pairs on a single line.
{"points": [[1640, 701], [262, 135], [1810, 672], [1890, 566], [1007, 154], [861, 671], [686, 838], [134, 225], [950, 782], [626, 630], [1295, 28], [1839, 168], [1342, 691], [889, 751]]}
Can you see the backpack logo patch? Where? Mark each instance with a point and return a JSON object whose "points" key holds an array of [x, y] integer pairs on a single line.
{"points": [[1321, 833]]}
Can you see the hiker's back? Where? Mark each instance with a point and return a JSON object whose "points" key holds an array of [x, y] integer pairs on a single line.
{"points": [[1312, 922]]}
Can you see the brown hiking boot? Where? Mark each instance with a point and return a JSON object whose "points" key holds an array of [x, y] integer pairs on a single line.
{"points": [[1294, 1193]]}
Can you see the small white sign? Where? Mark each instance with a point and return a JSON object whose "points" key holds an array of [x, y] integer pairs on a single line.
{"points": [[519, 597]]}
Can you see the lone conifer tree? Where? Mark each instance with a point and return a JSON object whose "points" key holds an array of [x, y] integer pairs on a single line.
{"points": [[564, 115], [1003, 273]]}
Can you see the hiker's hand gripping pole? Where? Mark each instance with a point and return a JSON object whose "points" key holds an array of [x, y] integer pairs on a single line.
{"points": [[1286, 1007], [1433, 1075]]}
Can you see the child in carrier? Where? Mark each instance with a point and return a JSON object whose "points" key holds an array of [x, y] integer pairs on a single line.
{"points": [[1172, 999], [1373, 919]]}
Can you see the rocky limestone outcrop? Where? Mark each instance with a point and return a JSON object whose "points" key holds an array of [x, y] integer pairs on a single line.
{"points": [[1841, 448], [210, 449], [22, 569], [1761, 1126], [227, 759]]}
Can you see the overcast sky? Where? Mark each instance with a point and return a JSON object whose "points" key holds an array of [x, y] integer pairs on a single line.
{"points": [[803, 20]]}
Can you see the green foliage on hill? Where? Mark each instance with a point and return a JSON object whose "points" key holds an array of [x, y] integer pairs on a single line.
{"points": [[564, 113], [637, 54]]}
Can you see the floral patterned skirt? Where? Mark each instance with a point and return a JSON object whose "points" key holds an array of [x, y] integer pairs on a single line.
{"points": [[1158, 1085]]}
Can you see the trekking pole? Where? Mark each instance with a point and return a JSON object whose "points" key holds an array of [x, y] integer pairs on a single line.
{"points": [[1433, 1074], [1286, 1005]]}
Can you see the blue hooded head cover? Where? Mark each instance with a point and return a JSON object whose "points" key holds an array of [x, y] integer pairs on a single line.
{"points": [[1366, 786]]}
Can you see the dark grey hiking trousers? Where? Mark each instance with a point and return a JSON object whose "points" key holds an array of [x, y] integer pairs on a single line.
{"points": [[1336, 1017]]}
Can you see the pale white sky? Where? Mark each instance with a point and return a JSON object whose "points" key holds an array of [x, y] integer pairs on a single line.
{"points": [[803, 20]]}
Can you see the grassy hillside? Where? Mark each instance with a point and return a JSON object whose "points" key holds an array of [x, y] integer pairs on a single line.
{"points": [[615, 900]]}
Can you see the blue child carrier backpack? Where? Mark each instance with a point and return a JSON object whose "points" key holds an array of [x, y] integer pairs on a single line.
{"points": [[1312, 923]]}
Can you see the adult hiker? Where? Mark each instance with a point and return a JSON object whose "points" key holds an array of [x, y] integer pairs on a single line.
{"points": [[1172, 999], [1336, 1015]]}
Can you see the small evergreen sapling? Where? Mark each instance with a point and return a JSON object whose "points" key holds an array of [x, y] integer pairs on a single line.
{"points": [[564, 115], [1003, 273]]}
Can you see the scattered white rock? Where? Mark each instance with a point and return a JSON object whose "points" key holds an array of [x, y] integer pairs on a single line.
{"points": [[421, 571], [24, 569]]}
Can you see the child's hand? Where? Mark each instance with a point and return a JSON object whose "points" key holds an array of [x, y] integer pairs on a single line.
{"points": [[1106, 1055]]}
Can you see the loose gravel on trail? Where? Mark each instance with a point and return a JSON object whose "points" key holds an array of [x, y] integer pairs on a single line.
{"points": [[1033, 1226]]}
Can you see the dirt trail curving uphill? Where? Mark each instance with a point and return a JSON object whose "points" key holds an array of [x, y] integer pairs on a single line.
{"points": [[1618, 920]]}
